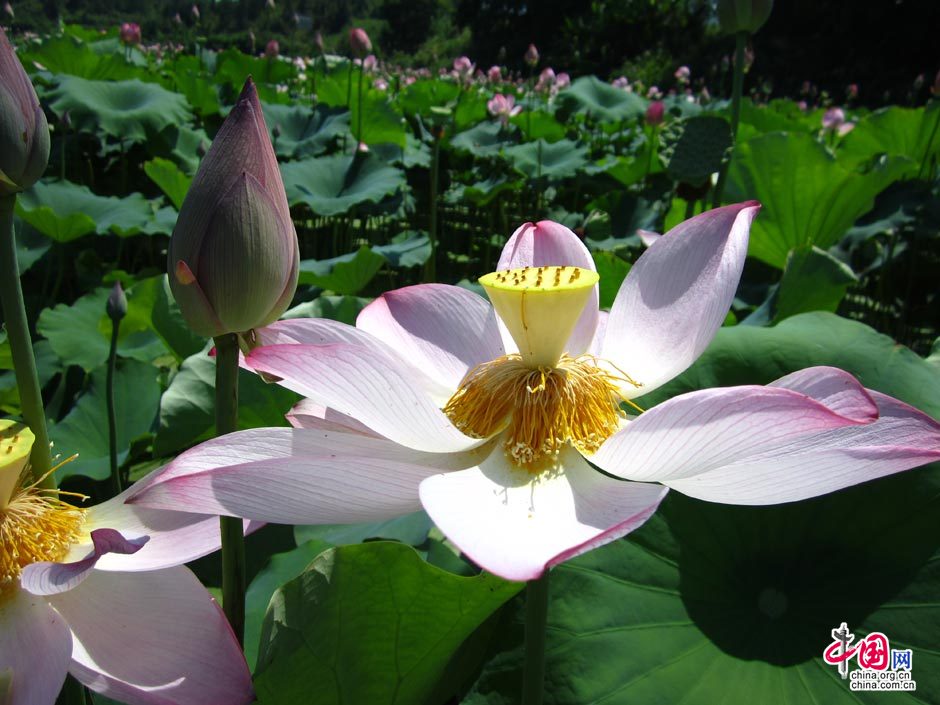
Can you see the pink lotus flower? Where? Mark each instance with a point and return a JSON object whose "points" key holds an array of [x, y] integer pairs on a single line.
{"points": [[463, 67], [369, 63], [487, 415], [834, 121], [380, 84], [562, 80], [622, 82], [129, 33], [654, 93], [682, 74], [546, 80], [106, 598], [494, 74], [503, 107]]}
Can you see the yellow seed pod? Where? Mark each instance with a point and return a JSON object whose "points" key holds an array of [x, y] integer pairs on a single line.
{"points": [[540, 306], [16, 443]]}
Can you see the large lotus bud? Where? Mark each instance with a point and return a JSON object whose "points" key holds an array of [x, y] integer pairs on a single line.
{"points": [[24, 134], [531, 55], [233, 258], [359, 41], [655, 113], [743, 15], [130, 34], [272, 49]]}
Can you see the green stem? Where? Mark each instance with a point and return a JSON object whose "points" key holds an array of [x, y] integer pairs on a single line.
{"points": [[689, 209], [112, 419], [233, 539], [430, 271], [926, 159], [21, 345], [362, 67], [737, 88], [536, 615]]}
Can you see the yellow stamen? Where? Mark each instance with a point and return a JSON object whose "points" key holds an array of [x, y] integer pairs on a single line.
{"points": [[543, 408]]}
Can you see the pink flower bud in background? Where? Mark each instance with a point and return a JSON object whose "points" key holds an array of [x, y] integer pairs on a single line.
{"points": [[195, 12], [621, 82], [177, 19], [129, 33], [359, 41], [562, 80], [531, 56], [318, 41], [24, 133], [935, 88], [682, 74], [546, 80], [233, 257], [362, 148], [654, 93], [272, 49], [833, 118], [802, 106], [8, 10], [919, 82], [655, 113], [463, 66], [369, 63], [851, 91], [845, 128], [380, 84], [503, 107], [269, 4], [494, 74]]}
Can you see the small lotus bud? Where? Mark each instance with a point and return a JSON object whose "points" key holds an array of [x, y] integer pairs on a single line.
{"points": [[117, 303], [369, 63], [463, 66], [494, 74], [833, 119], [562, 80], [655, 113], [233, 258], [195, 12], [272, 49], [682, 74], [8, 10], [177, 19], [318, 41], [24, 133], [531, 56], [129, 34], [359, 41], [851, 91], [743, 15], [270, 4]]}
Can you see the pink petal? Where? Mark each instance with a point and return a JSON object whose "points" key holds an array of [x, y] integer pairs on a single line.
{"points": [[308, 414], [35, 645], [549, 244], [153, 638], [296, 476], [597, 343], [648, 237], [444, 330], [370, 387], [901, 438], [47, 578], [516, 525], [835, 388], [702, 431], [677, 295]]}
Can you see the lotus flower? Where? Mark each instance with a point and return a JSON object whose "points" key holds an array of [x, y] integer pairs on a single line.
{"points": [[490, 413], [463, 67], [494, 74], [546, 79], [24, 133], [233, 258], [562, 80], [359, 41], [503, 107], [104, 596], [129, 33], [531, 56], [834, 120], [683, 74]]}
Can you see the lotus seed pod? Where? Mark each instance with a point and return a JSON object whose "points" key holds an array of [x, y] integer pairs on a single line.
{"points": [[16, 443], [24, 134], [233, 258], [743, 15]]}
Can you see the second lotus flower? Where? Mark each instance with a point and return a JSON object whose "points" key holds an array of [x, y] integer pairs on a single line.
{"points": [[491, 416]]}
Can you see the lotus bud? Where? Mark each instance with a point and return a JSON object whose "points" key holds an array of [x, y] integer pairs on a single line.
{"points": [[129, 33], [655, 113], [531, 55], [935, 88], [195, 12], [743, 15], [318, 41], [272, 49], [24, 134], [233, 258], [494, 74], [359, 41], [177, 19], [116, 305], [8, 10]]}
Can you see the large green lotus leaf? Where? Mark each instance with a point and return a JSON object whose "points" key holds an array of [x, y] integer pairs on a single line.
{"points": [[369, 623], [346, 274], [187, 408], [47, 367], [485, 139], [168, 322], [908, 132], [333, 86], [85, 429], [407, 249], [813, 280], [779, 116], [69, 55], [305, 132], [65, 211], [421, 96], [182, 144], [809, 198], [694, 148], [589, 95], [411, 529], [332, 185], [539, 124], [200, 92], [80, 333], [714, 603], [470, 110], [233, 67], [171, 180], [554, 160], [124, 110], [380, 123], [31, 245]]}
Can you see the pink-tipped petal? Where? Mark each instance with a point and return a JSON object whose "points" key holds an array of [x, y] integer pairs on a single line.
{"points": [[296, 476], [677, 295], [648, 237], [835, 388], [308, 414], [35, 647], [370, 387], [47, 578], [155, 638], [702, 431], [549, 244], [901, 438], [516, 525], [444, 330]]}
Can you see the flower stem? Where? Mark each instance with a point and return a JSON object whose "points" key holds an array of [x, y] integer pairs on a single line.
{"points": [[21, 345], [430, 271], [362, 68], [737, 87], [536, 614], [112, 418], [233, 539]]}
